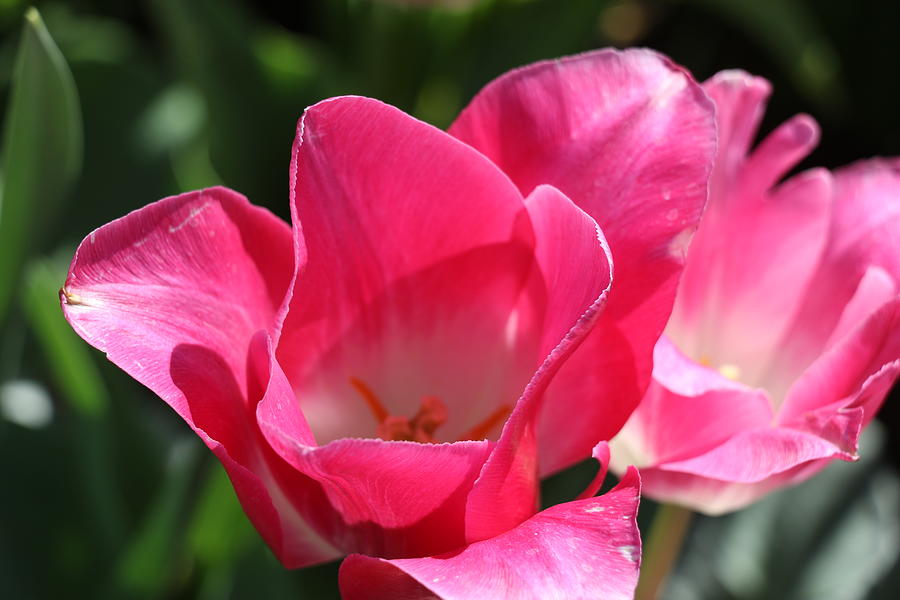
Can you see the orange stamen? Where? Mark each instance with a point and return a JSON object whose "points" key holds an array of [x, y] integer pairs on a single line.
{"points": [[375, 405], [423, 425], [432, 414], [480, 431]]}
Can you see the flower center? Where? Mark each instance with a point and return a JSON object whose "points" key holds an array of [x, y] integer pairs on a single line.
{"points": [[727, 370], [422, 426]]}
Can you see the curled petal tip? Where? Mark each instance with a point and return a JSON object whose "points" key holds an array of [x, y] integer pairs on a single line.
{"points": [[741, 78], [805, 129]]}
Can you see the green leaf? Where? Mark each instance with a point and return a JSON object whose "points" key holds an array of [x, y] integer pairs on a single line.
{"points": [[41, 152]]}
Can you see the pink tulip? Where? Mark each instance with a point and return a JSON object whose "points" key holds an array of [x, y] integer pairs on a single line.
{"points": [[785, 337], [378, 380]]}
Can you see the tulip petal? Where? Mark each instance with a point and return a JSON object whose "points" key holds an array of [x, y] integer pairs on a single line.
{"points": [[174, 293], [706, 442], [377, 487], [740, 100], [377, 195], [806, 340], [689, 409], [777, 154], [203, 268], [601, 454], [575, 269], [752, 456], [867, 357], [574, 260], [629, 137], [749, 233], [747, 466], [862, 236], [767, 243], [579, 550], [876, 288], [715, 496], [866, 212], [865, 222]]}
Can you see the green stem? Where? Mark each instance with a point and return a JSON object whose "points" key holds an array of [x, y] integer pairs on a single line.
{"points": [[670, 524]]}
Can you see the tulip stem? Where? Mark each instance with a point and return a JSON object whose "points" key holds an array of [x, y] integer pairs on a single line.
{"points": [[667, 532]]}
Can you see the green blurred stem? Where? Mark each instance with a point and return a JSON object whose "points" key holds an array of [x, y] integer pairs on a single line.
{"points": [[670, 524]]}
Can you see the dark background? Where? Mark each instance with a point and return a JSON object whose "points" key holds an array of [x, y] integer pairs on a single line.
{"points": [[110, 496]]}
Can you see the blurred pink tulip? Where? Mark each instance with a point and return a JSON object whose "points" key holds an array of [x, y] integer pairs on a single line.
{"points": [[785, 336], [379, 380]]}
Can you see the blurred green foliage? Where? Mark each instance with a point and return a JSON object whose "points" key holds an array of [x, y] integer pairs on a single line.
{"points": [[42, 135], [106, 493]]}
